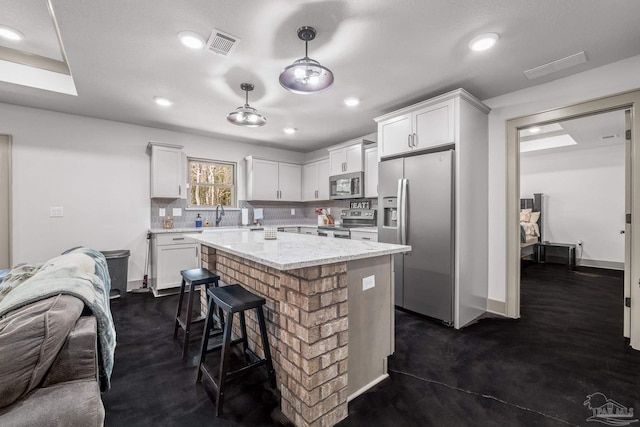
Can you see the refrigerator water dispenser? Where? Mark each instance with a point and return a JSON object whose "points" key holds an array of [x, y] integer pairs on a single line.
{"points": [[390, 210]]}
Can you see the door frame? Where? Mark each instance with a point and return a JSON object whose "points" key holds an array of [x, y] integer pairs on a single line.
{"points": [[7, 139], [622, 101]]}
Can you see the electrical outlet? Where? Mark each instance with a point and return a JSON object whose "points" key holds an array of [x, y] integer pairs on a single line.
{"points": [[56, 212], [293, 211], [162, 212]]}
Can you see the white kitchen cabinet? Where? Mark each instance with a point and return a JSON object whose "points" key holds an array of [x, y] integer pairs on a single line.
{"points": [[371, 172], [309, 230], [271, 180], [425, 125], [289, 229], [315, 181], [167, 171], [346, 159], [171, 253], [370, 236]]}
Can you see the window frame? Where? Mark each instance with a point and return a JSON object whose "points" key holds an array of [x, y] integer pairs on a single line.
{"points": [[233, 186]]}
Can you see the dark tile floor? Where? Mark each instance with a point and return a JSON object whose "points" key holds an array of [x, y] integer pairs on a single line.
{"points": [[535, 371]]}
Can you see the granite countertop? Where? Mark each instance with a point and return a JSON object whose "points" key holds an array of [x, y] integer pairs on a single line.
{"points": [[290, 250]]}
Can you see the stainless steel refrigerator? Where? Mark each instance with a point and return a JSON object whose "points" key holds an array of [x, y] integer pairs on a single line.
{"points": [[416, 207]]}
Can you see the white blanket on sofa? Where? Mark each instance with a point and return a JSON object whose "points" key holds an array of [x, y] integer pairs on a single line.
{"points": [[81, 272]]}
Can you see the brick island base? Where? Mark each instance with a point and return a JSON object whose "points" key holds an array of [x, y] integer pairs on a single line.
{"points": [[329, 330]]}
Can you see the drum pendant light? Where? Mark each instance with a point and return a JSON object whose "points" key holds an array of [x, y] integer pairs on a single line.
{"points": [[306, 76], [246, 116]]}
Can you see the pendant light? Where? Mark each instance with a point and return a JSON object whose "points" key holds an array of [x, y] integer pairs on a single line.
{"points": [[246, 116], [306, 76]]}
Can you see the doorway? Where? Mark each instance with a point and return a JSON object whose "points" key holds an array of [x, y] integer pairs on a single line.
{"points": [[625, 101], [5, 201], [577, 167]]}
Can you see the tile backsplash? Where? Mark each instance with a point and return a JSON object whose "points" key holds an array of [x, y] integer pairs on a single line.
{"points": [[275, 213]]}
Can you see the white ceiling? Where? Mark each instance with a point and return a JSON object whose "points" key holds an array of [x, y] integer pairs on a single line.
{"points": [[390, 54]]}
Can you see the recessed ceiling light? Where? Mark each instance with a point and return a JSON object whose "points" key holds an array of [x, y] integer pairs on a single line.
{"points": [[483, 42], [162, 101], [191, 40], [351, 101], [290, 131], [10, 33]]}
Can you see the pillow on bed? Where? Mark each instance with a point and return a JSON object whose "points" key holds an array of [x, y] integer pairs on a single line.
{"points": [[525, 214], [535, 216], [530, 228]]}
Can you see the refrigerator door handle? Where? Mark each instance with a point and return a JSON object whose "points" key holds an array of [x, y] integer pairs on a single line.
{"points": [[402, 211], [399, 212]]}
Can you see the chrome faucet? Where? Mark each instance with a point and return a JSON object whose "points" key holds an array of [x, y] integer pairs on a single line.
{"points": [[219, 217]]}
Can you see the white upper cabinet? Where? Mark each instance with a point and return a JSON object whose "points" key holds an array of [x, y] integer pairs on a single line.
{"points": [[371, 172], [394, 135], [167, 171], [426, 125], [315, 181], [271, 180], [346, 159], [290, 182]]}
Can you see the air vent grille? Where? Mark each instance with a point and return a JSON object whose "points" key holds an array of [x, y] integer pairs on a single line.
{"points": [[222, 43], [554, 66]]}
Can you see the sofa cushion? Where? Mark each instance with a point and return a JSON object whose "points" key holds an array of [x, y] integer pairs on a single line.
{"points": [[30, 339], [72, 404], [78, 358]]}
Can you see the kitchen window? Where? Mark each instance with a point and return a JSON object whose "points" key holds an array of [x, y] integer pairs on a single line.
{"points": [[211, 182]]}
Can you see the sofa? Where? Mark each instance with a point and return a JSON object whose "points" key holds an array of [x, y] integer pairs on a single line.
{"points": [[56, 342]]}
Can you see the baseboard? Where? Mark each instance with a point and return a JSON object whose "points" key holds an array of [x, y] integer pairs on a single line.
{"points": [[610, 265], [496, 307]]}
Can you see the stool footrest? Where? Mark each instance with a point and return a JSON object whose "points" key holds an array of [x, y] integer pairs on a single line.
{"points": [[218, 346], [183, 323]]}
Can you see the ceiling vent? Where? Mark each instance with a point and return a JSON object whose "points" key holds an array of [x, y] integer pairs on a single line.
{"points": [[552, 67], [222, 43]]}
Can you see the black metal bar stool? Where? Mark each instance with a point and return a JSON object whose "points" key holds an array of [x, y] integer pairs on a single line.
{"points": [[195, 277], [233, 299]]}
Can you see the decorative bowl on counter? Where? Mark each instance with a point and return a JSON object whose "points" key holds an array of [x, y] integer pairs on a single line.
{"points": [[270, 233]]}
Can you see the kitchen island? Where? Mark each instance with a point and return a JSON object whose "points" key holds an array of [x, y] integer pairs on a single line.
{"points": [[329, 313]]}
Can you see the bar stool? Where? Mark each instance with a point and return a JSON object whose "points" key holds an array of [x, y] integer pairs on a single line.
{"points": [[233, 299], [195, 277]]}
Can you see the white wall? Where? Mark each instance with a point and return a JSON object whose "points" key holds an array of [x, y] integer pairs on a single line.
{"points": [[98, 171], [583, 199], [607, 80]]}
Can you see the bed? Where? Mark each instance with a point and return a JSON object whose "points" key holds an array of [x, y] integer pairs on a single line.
{"points": [[530, 226]]}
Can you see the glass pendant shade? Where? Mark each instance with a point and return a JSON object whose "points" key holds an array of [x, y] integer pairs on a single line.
{"points": [[246, 115], [306, 75]]}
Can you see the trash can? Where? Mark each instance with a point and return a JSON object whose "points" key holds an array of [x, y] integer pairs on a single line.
{"points": [[118, 264]]}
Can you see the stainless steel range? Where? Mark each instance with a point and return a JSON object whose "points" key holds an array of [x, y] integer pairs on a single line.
{"points": [[350, 218]]}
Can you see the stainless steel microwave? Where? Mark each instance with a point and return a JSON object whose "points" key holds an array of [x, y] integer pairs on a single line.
{"points": [[347, 186]]}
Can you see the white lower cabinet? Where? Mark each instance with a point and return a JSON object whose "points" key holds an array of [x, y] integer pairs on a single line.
{"points": [[364, 235], [289, 229], [309, 230], [172, 253]]}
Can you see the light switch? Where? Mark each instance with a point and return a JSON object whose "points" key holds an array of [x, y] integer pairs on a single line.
{"points": [[56, 212], [177, 212], [161, 212], [368, 282], [293, 211]]}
